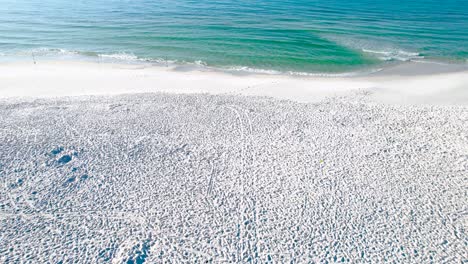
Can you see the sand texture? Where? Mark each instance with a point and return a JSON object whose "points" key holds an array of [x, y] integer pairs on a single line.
{"points": [[223, 178]]}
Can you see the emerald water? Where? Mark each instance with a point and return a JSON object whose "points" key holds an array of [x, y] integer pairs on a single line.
{"points": [[263, 35]]}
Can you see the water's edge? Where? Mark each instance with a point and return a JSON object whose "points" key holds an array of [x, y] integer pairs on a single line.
{"points": [[401, 67]]}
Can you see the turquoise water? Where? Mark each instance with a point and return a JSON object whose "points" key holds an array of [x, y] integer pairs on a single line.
{"points": [[261, 35]]}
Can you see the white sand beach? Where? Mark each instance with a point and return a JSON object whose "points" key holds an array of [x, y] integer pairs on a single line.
{"points": [[66, 78], [108, 163]]}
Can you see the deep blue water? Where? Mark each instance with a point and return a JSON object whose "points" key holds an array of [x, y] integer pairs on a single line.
{"points": [[286, 35]]}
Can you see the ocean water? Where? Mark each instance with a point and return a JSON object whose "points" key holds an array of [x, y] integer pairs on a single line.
{"points": [[296, 36]]}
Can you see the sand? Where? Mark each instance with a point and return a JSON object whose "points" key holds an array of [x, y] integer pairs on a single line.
{"points": [[204, 171], [65, 78]]}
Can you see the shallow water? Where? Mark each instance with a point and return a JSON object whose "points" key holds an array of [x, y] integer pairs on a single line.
{"points": [[262, 36]]}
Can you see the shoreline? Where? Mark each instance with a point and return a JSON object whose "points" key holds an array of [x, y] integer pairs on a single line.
{"points": [[396, 85], [408, 67]]}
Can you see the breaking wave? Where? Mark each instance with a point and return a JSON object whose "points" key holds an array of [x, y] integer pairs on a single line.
{"points": [[305, 74], [119, 56], [125, 57], [47, 52], [394, 55]]}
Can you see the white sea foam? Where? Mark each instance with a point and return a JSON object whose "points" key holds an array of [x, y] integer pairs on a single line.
{"points": [[120, 56], [252, 70], [48, 52], [390, 55], [297, 73], [44, 51], [342, 74], [200, 63], [430, 62], [124, 57]]}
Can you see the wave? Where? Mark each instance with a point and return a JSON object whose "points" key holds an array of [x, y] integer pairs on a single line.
{"points": [[119, 56], [130, 57], [251, 70], [392, 55], [431, 62], [200, 63], [124, 57], [296, 73], [47, 52], [56, 52], [381, 50]]}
